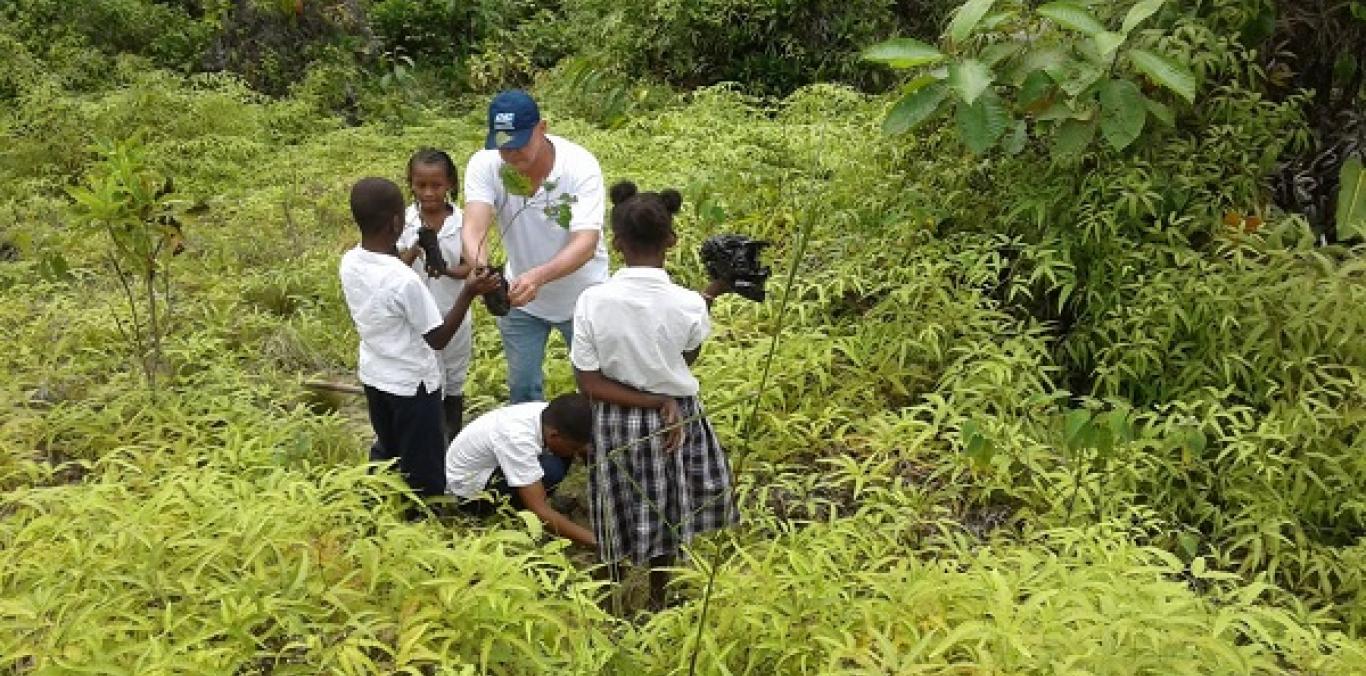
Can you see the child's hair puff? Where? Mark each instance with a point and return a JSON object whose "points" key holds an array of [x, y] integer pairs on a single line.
{"points": [[643, 221]]}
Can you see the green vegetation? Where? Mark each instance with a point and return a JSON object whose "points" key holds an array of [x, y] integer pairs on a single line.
{"points": [[1042, 400]]}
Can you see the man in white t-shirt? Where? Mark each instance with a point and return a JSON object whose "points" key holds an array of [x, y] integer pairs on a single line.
{"points": [[522, 451], [547, 196], [400, 329]]}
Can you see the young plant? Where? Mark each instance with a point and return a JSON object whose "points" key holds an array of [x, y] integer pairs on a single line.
{"points": [[133, 206]]}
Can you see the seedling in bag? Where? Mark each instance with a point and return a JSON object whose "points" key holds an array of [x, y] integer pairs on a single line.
{"points": [[735, 260], [431, 250], [496, 301]]}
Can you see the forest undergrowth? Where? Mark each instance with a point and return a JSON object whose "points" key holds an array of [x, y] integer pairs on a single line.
{"points": [[1023, 417]]}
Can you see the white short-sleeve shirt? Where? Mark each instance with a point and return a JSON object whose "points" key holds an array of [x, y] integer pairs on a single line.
{"points": [[392, 310], [508, 438], [635, 328], [530, 231], [455, 357]]}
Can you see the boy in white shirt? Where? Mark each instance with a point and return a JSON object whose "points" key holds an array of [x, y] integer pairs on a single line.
{"points": [[522, 451], [400, 328]]}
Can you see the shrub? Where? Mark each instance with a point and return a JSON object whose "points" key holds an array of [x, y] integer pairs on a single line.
{"points": [[57, 31], [769, 47]]}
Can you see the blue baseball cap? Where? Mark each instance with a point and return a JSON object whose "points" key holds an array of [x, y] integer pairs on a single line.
{"points": [[512, 117]]}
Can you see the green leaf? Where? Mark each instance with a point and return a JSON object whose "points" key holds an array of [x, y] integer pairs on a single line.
{"points": [[1160, 111], [515, 182], [1079, 76], [1073, 16], [1165, 72], [903, 53], [1061, 110], [533, 524], [1103, 440], [982, 123], [980, 450], [1351, 212], [1034, 91], [1260, 27], [1107, 42], [1140, 13], [1344, 68], [1000, 51], [1050, 60], [1075, 426], [53, 267], [1122, 113], [969, 78], [1015, 142], [966, 19], [914, 108], [1189, 544], [976, 446], [969, 430], [1196, 441], [1072, 138], [994, 20], [918, 84]]}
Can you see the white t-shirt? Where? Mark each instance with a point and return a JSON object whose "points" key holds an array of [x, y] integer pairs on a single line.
{"points": [[531, 235], [455, 357], [635, 328], [392, 310], [507, 438]]}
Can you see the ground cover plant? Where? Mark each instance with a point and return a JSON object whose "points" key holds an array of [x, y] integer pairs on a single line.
{"points": [[1097, 411]]}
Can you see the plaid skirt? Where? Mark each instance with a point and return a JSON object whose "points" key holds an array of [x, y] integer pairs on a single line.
{"points": [[644, 502]]}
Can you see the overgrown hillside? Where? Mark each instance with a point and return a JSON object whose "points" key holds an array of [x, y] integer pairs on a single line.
{"points": [[1009, 408]]}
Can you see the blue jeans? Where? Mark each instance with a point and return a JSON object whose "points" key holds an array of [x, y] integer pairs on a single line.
{"points": [[524, 338]]}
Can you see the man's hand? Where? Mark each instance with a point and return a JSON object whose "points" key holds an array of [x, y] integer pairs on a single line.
{"points": [[672, 417], [524, 289], [580, 248], [460, 271]]}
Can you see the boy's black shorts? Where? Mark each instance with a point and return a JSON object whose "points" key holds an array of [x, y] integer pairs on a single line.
{"points": [[410, 429]]}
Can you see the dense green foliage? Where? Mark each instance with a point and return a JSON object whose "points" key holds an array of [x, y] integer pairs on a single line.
{"points": [[1029, 413]]}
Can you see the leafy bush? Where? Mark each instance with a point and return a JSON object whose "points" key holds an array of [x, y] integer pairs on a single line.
{"points": [[59, 31], [444, 34], [1084, 599], [772, 47], [272, 44]]}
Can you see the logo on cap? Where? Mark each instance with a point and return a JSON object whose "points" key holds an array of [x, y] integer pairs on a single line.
{"points": [[505, 121]]}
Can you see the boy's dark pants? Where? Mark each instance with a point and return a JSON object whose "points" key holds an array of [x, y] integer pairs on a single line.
{"points": [[410, 428], [553, 470]]}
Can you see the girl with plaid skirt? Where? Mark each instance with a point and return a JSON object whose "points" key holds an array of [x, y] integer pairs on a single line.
{"points": [[657, 474]]}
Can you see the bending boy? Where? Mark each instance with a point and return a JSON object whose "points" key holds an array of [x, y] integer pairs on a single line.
{"points": [[522, 451]]}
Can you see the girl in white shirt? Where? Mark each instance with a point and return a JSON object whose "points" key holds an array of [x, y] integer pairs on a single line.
{"points": [[432, 178], [657, 474]]}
